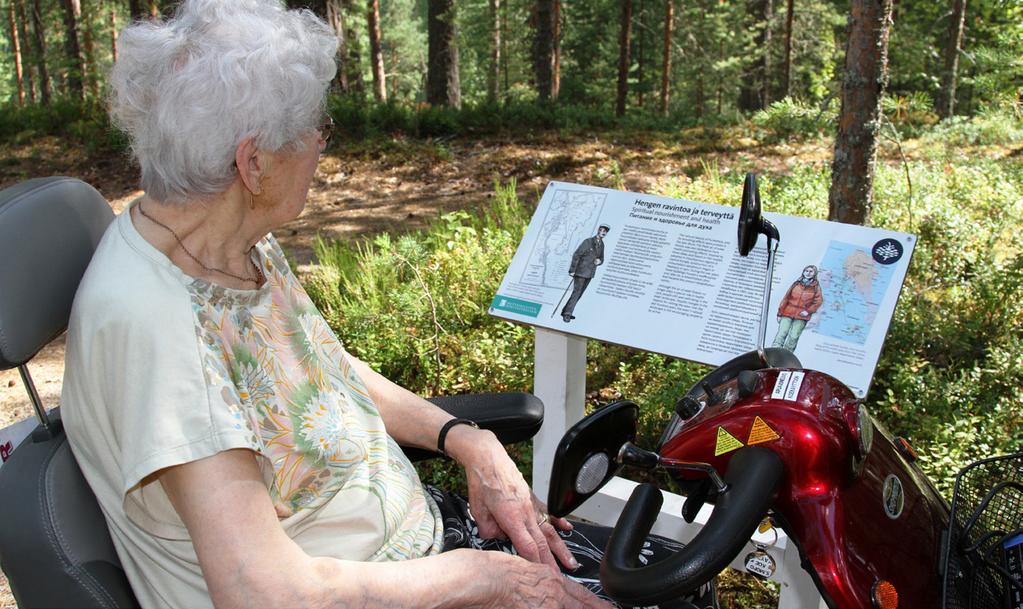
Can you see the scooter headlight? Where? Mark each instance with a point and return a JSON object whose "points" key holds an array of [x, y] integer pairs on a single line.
{"points": [[864, 430], [592, 474]]}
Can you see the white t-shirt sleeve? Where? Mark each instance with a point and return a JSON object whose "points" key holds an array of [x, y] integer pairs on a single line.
{"points": [[140, 393]]}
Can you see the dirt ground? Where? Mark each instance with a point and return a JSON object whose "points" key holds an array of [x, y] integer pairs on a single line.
{"points": [[359, 191]]}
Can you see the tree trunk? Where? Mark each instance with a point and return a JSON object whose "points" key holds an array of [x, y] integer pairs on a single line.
{"points": [[947, 94], [352, 57], [39, 41], [624, 41], [137, 11], [113, 32], [754, 92], [504, 48], [543, 49], [866, 76], [91, 72], [376, 50], [786, 79], [16, 49], [556, 73], [26, 51], [669, 18], [442, 85], [335, 17], [76, 64], [640, 56], [494, 72]]}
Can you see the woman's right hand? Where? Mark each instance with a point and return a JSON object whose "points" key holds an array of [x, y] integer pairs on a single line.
{"points": [[511, 582]]}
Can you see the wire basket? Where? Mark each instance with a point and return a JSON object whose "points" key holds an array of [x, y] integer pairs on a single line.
{"points": [[984, 548]]}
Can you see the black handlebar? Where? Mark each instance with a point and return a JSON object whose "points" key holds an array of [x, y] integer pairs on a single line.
{"points": [[753, 477]]}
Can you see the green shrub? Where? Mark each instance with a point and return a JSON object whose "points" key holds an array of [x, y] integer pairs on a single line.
{"points": [[81, 123], [988, 128], [909, 114], [793, 120]]}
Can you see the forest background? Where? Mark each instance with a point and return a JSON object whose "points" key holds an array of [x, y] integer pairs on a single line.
{"points": [[676, 97]]}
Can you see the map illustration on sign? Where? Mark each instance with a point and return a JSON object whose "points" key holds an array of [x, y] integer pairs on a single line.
{"points": [[855, 285], [664, 275], [571, 217]]}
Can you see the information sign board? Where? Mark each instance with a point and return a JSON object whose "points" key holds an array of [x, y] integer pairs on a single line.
{"points": [[664, 275]]}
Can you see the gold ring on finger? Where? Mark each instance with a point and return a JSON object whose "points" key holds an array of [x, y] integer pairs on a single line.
{"points": [[544, 519]]}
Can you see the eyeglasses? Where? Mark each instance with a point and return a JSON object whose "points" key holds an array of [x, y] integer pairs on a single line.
{"points": [[326, 128]]}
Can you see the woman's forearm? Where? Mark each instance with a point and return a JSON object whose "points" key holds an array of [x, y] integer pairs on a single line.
{"points": [[445, 581], [410, 419]]}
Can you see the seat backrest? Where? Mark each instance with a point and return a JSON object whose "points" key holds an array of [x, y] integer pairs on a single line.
{"points": [[54, 545]]}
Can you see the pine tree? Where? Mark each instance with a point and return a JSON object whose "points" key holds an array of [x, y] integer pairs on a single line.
{"points": [[543, 49], [376, 57], [494, 69], [72, 49], [669, 19], [624, 42], [953, 46], [39, 42], [755, 92], [866, 75], [26, 51], [786, 78], [16, 50], [442, 79]]}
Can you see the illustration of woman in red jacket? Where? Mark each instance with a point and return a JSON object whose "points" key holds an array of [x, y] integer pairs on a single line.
{"points": [[799, 304]]}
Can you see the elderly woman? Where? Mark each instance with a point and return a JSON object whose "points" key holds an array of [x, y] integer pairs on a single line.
{"points": [[241, 456]]}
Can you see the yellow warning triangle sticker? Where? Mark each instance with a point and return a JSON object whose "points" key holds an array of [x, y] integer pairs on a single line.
{"points": [[761, 432], [726, 442]]}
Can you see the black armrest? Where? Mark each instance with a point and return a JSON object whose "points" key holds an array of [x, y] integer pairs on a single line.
{"points": [[513, 417]]}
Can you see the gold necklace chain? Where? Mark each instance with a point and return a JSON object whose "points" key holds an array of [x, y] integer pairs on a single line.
{"points": [[259, 272]]}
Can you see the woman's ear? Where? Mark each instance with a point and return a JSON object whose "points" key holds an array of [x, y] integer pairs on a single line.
{"points": [[251, 163]]}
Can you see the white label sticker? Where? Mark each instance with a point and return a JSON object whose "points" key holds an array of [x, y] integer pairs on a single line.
{"points": [[779, 384], [792, 392]]}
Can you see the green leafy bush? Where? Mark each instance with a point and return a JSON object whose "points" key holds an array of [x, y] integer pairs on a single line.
{"points": [[909, 113], [988, 128], [415, 306], [82, 123], [793, 120]]}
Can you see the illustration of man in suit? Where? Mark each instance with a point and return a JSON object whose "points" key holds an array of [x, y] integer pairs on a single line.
{"points": [[587, 257]]}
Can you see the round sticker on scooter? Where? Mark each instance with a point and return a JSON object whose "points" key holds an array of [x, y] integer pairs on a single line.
{"points": [[893, 497]]}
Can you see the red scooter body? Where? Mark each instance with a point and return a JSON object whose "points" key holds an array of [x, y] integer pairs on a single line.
{"points": [[858, 516]]}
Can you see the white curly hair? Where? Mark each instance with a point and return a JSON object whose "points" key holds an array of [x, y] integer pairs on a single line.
{"points": [[188, 90]]}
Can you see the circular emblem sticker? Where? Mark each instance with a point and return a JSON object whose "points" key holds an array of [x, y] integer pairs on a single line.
{"points": [[887, 251], [893, 497]]}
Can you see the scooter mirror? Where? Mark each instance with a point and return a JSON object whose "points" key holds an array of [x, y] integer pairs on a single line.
{"points": [[587, 456], [749, 215], [751, 222]]}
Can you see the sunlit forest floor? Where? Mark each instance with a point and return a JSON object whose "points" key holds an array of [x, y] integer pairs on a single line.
{"points": [[395, 185]]}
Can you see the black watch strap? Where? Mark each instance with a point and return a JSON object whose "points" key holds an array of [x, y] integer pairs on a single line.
{"points": [[447, 427]]}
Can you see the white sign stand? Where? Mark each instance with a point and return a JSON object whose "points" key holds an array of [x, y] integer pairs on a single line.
{"points": [[559, 380]]}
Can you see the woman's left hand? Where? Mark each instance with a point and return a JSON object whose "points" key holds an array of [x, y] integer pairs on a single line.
{"points": [[503, 504]]}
